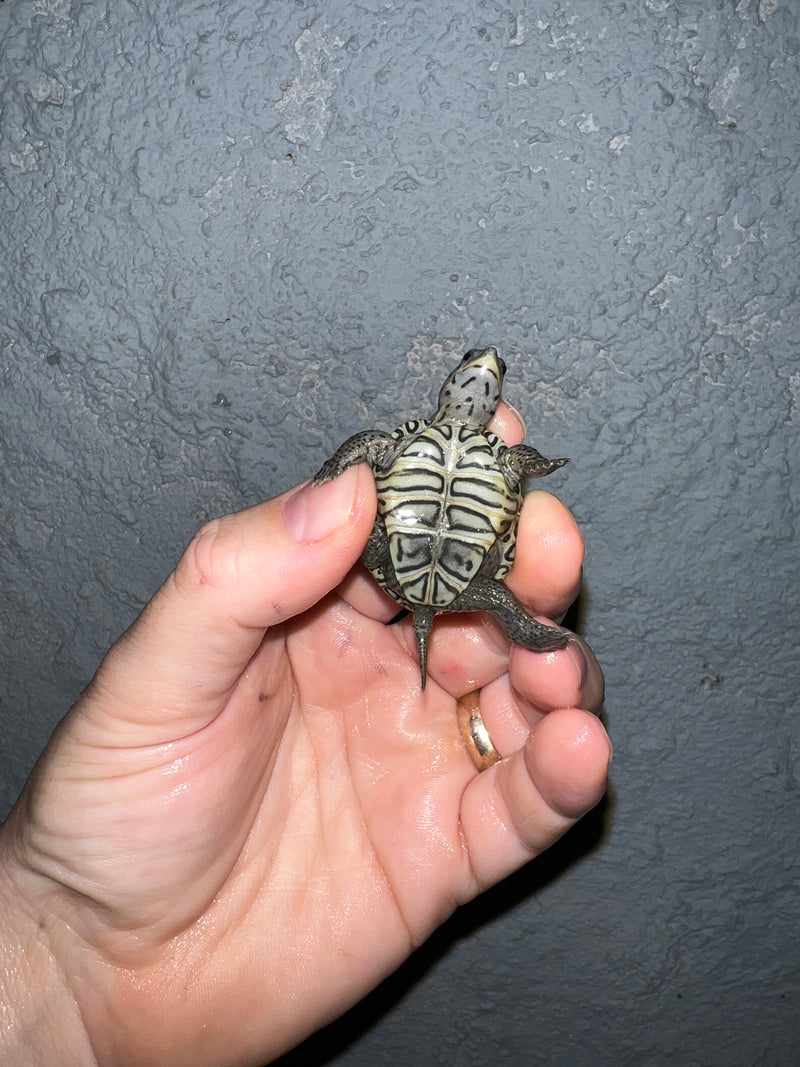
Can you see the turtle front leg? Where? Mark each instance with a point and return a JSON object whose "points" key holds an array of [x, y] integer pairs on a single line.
{"points": [[523, 461], [488, 594], [369, 446]]}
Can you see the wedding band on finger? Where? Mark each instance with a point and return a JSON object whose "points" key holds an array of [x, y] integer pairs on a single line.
{"points": [[474, 733]]}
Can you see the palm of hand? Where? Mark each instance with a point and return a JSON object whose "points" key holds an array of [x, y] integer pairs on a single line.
{"points": [[322, 809]]}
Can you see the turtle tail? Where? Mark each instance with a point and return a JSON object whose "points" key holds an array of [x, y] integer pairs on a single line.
{"points": [[423, 622]]}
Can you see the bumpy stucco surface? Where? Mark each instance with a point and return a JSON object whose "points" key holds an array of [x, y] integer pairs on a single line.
{"points": [[234, 233]]}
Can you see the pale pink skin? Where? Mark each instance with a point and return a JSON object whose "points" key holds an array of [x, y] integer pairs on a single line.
{"points": [[253, 815]]}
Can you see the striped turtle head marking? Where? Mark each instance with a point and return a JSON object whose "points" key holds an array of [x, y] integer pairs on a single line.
{"points": [[471, 394]]}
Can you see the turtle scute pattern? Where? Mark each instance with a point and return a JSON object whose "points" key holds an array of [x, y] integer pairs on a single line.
{"points": [[444, 502]]}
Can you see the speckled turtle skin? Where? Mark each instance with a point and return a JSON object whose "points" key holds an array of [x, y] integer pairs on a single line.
{"points": [[449, 499]]}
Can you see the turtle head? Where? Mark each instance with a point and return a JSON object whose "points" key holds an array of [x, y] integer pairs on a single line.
{"points": [[471, 393]]}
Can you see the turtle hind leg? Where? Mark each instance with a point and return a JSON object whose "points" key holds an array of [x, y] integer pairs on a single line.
{"points": [[489, 594], [423, 622], [369, 446]]}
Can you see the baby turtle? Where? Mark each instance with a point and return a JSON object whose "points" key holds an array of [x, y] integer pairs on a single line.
{"points": [[449, 498]]}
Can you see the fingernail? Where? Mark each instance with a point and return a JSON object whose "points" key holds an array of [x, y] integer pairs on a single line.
{"points": [[578, 660], [517, 414], [314, 512]]}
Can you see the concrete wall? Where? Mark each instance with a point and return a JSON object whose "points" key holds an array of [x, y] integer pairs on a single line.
{"points": [[234, 233]]}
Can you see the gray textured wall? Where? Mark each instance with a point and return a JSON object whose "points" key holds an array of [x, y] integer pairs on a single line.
{"points": [[234, 233]]}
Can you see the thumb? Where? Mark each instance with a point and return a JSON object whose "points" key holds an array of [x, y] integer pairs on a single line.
{"points": [[240, 575]]}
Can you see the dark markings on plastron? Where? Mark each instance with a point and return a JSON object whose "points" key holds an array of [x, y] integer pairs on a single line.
{"points": [[466, 489], [456, 558], [412, 550]]}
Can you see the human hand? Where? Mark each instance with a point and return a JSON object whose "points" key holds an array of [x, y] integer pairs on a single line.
{"points": [[253, 814]]}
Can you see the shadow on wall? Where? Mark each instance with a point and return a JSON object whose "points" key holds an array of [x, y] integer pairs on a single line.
{"points": [[583, 839]]}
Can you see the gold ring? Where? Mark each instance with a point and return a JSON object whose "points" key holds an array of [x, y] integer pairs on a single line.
{"points": [[474, 733]]}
